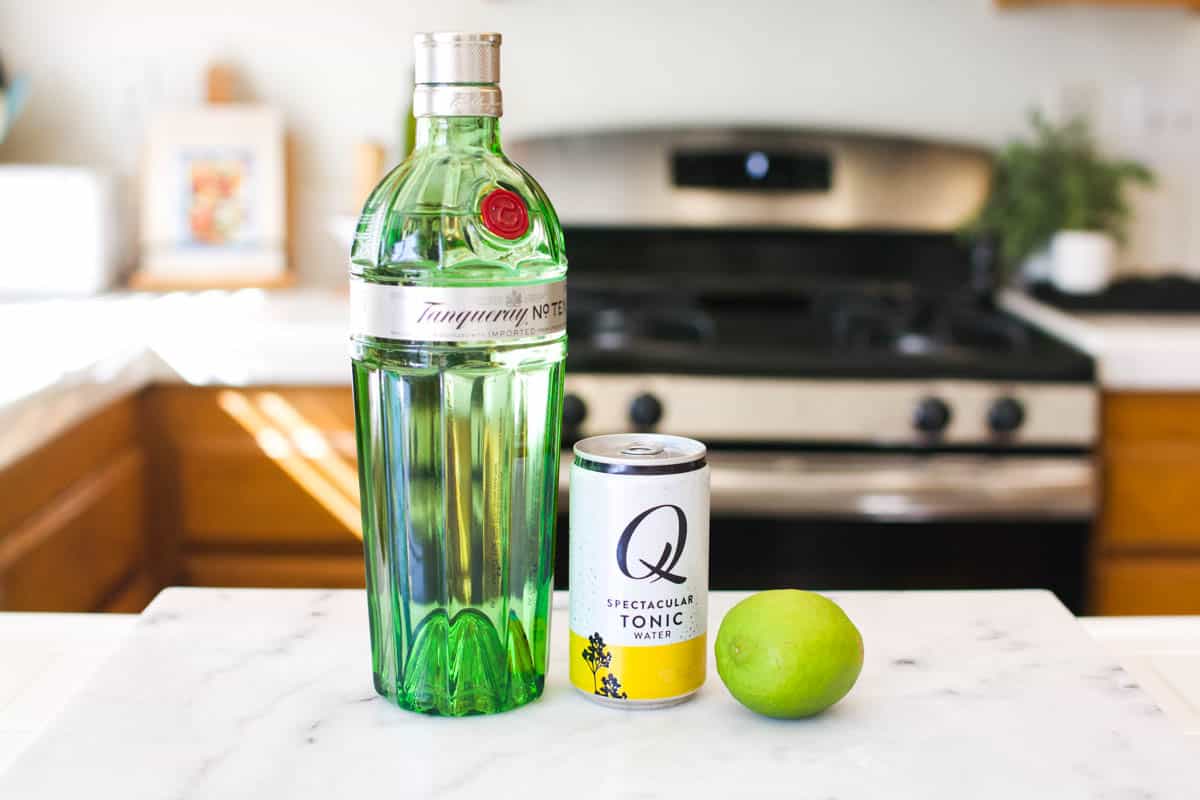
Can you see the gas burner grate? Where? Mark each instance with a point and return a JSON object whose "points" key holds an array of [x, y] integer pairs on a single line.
{"points": [[910, 326], [609, 324]]}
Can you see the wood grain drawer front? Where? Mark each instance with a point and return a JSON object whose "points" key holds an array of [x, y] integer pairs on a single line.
{"points": [[1151, 466], [1150, 585], [1152, 497], [271, 467], [33, 482], [78, 550], [275, 571], [244, 497], [189, 414], [1142, 417]]}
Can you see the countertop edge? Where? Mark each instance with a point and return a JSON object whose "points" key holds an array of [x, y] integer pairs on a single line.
{"points": [[1132, 353]]}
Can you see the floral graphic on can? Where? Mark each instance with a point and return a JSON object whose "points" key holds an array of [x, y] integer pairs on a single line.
{"points": [[597, 657]]}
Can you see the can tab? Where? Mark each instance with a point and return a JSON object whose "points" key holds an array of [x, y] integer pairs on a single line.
{"points": [[642, 449]]}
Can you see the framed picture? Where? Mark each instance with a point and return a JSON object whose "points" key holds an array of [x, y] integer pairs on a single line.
{"points": [[214, 199]]}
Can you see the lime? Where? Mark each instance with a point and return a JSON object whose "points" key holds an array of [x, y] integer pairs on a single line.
{"points": [[787, 653]]}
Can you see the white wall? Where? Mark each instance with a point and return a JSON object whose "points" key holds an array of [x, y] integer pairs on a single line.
{"points": [[949, 68]]}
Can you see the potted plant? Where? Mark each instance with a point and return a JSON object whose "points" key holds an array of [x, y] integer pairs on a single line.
{"points": [[1058, 196]]}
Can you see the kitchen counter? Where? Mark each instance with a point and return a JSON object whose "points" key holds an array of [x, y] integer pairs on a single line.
{"points": [[1163, 655], [72, 357], [1134, 352], [45, 660], [260, 693]]}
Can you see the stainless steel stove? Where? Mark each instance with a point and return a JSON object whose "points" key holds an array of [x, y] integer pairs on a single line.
{"points": [[801, 303]]}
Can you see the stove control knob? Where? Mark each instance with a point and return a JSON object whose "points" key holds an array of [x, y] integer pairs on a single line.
{"points": [[574, 411], [645, 411], [932, 415], [1005, 415]]}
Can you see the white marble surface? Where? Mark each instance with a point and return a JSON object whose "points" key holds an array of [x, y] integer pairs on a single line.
{"points": [[260, 693], [1134, 352], [45, 659], [63, 360], [67, 359], [1163, 655]]}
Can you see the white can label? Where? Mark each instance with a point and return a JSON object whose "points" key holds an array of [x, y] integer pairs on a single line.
{"points": [[457, 313], [639, 583]]}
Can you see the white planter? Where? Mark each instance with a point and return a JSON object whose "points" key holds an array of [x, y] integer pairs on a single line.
{"points": [[1081, 262]]}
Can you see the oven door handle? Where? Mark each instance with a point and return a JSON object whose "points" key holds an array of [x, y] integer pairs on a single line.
{"points": [[898, 487]]}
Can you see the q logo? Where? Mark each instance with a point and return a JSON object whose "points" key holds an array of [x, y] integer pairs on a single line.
{"points": [[671, 552]]}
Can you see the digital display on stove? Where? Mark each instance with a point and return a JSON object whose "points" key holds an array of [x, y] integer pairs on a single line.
{"points": [[770, 170]]}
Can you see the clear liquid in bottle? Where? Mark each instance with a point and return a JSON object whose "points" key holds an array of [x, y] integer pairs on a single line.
{"points": [[458, 339]]}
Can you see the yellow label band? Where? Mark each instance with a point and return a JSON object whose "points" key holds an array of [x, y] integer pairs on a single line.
{"points": [[630, 672]]}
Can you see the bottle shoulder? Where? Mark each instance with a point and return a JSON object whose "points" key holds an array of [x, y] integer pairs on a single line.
{"points": [[424, 223]]}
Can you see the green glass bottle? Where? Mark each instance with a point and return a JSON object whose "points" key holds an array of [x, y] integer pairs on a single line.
{"points": [[459, 338]]}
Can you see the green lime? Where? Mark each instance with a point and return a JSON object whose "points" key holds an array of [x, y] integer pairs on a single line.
{"points": [[787, 653]]}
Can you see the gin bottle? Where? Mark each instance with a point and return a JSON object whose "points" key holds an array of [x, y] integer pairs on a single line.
{"points": [[458, 340]]}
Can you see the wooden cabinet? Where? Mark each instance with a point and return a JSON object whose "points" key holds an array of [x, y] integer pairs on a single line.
{"points": [[72, 520], [1147, 551], [257, 487], [184, 485], [1147, 584], [288, 568]]}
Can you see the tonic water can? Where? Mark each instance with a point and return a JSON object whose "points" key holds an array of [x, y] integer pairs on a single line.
{"points": [[639, 569]]}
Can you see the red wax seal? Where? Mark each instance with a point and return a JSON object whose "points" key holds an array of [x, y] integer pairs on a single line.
{"points": [[504, 214]]}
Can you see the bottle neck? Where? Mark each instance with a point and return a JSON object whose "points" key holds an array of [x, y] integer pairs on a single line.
{"points": [[458, 133]]}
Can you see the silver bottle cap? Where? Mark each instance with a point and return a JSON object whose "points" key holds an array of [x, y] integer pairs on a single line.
{"points": [[457, 57], [457, 75]]}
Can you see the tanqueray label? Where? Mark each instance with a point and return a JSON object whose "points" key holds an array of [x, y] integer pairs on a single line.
{"points": [[457, 313]]}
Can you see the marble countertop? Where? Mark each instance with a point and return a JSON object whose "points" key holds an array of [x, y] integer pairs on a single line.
{"points": [[1163, 655], [45, 659], [267, 693], [74, 356], [1133, 352]]}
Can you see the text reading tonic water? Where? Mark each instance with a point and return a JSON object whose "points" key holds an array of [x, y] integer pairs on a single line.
{"points": [[639, 568]]}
